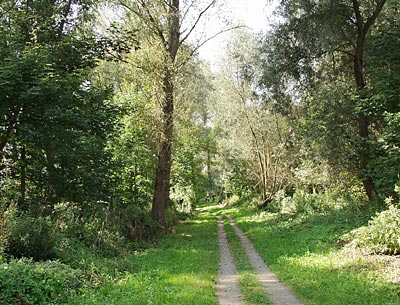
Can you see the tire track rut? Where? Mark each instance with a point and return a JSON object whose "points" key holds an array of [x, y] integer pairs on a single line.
{"points": [[228, 290]]}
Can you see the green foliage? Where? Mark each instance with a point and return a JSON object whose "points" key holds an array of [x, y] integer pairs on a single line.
{"points": [[189, 185], [382, 103], [308, 75], [29, 283], [101, 228], [132, 150], [53, 117], [31, 237], [382, 235], [311, 203]]}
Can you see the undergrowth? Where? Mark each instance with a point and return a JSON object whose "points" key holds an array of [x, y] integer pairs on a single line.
{"points": [[103, 256], [382, 234]]}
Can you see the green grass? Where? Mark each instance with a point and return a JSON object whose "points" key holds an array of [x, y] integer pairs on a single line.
{"points": [[181, 270], [303, 250], [250, 287]]}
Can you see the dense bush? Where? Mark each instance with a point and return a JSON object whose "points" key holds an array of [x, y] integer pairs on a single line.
{"points": [[382, 235], [31, 237], [101, 227], [308, 203], [137, 225], [26, 282]]}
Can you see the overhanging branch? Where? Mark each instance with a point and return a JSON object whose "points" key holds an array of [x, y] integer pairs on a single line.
{"points": [[195, 49], [197, 21]]}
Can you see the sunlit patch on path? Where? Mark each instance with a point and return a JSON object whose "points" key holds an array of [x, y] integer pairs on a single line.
{"points": [[228, 291], [277, 292]]}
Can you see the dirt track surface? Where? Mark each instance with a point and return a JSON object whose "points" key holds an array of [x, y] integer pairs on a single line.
{"points": [[228, 291], [277, 292]]}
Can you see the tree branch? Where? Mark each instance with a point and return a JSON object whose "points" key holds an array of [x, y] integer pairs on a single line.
{"points": [[197, 21], [359, 20], [147, 17], [374, 16], [186, 10], [195, 49]]}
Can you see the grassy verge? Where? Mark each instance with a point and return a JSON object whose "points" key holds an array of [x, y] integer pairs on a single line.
{"points": [[250, 287], [303, 250], [181, 270]]}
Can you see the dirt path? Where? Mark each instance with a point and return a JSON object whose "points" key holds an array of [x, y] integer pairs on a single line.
{"points": [[277, 292], [228, 291]]}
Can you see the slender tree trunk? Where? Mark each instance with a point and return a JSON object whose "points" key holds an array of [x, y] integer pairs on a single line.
{"points": [[10, 129], [363, 123], [50, 188], [209, 176], [23, 161]]}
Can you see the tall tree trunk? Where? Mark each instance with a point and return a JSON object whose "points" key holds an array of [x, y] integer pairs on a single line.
{"points": [[163, 173], [362, 120]]}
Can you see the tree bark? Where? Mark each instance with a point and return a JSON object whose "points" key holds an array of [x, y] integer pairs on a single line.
{"points": [[168, 32], [362, 120], [50, 172], [9, 130], [23, 160], [163, 173]]}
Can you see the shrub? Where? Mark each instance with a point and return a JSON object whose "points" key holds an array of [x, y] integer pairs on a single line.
{"points": [[26, 282], [7, 216], [281, 203], [138, 224], [382, 235], [306, 203], [31, 237]]}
